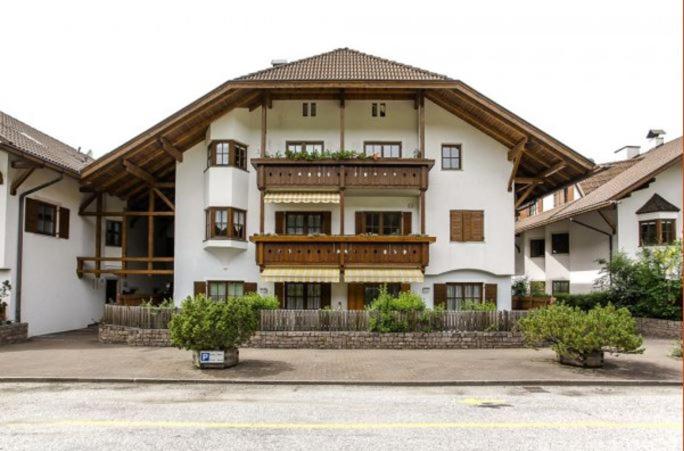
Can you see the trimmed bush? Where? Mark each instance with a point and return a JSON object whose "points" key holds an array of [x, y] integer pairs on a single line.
{"points": [[475, 306], [584, 301], [392, 314]]}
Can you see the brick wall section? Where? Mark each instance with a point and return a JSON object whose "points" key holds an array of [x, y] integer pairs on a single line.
{"points": [[659, 328], [13, 333], [330, 340]]}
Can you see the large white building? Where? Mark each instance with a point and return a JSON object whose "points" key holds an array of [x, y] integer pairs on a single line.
{"points": [[623, 206]]}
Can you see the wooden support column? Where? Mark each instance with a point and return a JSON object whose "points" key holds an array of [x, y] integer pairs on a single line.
{"points": [[421, 124], [261, 213], [422, 212], [150, 230], [124, 242], [342, 188], [98, 233], [264, 124], [342, 111]]}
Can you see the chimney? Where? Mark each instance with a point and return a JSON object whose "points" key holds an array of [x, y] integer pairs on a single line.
{"points": [[630, 151], [278, 62], [657, 135]]}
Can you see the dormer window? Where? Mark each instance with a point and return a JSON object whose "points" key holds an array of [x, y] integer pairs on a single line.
{"points": [[309, 109], [227, 153], [378, 109]]}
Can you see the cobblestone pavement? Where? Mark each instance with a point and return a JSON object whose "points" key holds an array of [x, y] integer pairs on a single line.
{"points": [[78, 355]]}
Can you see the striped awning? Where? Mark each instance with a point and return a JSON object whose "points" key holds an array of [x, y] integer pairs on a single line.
{"points": [[302, 198], [383, 275], [330, 275]]}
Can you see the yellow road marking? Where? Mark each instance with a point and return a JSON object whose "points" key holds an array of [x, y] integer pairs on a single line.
{"points": [[349, 426]]}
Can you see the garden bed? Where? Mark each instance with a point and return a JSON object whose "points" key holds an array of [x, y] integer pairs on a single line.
{"points": [[13, 333]]}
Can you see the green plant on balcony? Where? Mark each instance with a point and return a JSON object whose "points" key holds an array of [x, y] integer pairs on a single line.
{"points": [[323, 155]]}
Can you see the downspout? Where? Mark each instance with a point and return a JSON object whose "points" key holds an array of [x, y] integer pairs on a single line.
{"points": [[610, 242], [20, 242]]}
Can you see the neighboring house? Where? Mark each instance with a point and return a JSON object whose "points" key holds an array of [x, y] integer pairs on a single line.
{"points": [[41, 233], [623, 206], [430, 207]]}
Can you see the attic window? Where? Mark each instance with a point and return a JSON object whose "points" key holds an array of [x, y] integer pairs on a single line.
{"points": [[309, 109], [378, 109]]}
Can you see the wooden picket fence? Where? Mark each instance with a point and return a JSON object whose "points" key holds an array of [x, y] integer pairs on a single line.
{"points": [[329, 320]]}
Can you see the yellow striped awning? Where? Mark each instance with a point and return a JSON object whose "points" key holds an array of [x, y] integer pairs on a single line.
{"points": [[302, 198], [383, 275], [330, 275]]}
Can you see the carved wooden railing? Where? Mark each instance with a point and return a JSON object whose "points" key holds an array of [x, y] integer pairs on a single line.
{"points": [[126, 266], [279, 173], [343, 250]]}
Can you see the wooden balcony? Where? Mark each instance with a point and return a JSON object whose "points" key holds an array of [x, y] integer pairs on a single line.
{"points": [[125, 266], [391, 173], [342, 251]]}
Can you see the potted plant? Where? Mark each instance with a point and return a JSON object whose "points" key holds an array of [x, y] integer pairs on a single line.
{"points": [[581, 338], [213, 330], [5, 290]]}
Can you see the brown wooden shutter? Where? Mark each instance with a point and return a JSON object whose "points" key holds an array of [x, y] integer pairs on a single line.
{"points": [[467, 225], [490, 292], [456, 225], [405, 287], [477, 226], [355, 299], [199, 287], [359, 220], [325, 295], [571, 193], [64, 223], [249, 287], [406, 222], [439, 295], [280, 222], [326, 223], [279, 291], [31, 220]]}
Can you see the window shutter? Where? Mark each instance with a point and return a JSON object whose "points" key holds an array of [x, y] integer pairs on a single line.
{"points": [[406, 287], [199, 287], [359, 220], [490, 292], [64, 223], [31, 220], [456, 225], [439, 295], [467, 224], [249, 287], [476, 226], [280, 222], [326, 226], [571, 193], [406, 220], [325, 295], [279, 291]]}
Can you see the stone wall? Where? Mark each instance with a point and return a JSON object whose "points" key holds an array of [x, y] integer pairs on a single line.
{"points": [[13, 333], [331, 340], [659, 328]]}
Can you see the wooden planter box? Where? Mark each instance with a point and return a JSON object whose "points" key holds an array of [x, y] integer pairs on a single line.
{"points": [[592, 360], [531, 302], [216, 360]]}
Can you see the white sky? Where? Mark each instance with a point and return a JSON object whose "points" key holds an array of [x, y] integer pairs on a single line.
{"points": [[594, 74]]}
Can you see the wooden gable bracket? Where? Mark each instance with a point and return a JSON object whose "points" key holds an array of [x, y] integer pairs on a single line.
{"points": [[518, 151], [525, 194], [139, 172], [19, 180], [552, 170], [86, 202], [607, 221], [164, 198], [170, 149]]}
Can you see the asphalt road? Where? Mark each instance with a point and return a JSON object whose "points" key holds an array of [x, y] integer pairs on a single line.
{"points": [[134, 417]]}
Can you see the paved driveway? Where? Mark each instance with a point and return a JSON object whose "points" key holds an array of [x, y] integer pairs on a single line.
{"points": [[78, 354]]}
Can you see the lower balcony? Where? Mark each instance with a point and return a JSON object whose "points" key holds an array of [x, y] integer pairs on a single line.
{"points": [[342, 251]]}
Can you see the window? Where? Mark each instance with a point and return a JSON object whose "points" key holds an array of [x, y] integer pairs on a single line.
{"points": [[378, 109], [221, 290], [303, 295], [458, 293], [113, 233], [304, 146], [382, 149], [41, 217], [467, 225], [532, 209], [371, 291], [560, 287], [227, 153], [226, 222], [657, 232], [309, 109], [537, 248], [563, 196], [451, 156], [303, 223], [381, 223], [560, 243]]}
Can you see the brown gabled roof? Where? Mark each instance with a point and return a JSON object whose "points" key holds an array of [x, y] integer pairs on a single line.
{"points": [[343, 64], [657, 204], [605, 172], [22, 139], [651, 164]]}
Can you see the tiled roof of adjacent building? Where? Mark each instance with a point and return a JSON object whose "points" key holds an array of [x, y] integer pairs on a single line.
{"points": [[605, 172], [648, 166], [342, 64], [23, 138]]}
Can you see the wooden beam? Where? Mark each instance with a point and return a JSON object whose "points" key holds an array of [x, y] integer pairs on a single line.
{"points": [[86, 202], [264, 123], [342, 212], [607, 221], [525, 194], [150, 229], [19, 180], [124, 242], [421, 124], [98, 232], [25, 164], [342, 112], [170, 149], [422, 212], [527, 180], [519, 150], [164, 199], [139, 172], [261, 212], [553, 169]]}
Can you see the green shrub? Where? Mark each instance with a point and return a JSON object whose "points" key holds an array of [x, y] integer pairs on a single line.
{"points": [[519, 286], [537, 288], [584, 301], [476, 306], [677, 349], [576, 334], [260, 302], [395, 314], [204, 324]]}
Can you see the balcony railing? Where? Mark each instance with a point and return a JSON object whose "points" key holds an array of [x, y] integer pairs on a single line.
{"points": [[124, 266], [393, 173], [343, 250]]}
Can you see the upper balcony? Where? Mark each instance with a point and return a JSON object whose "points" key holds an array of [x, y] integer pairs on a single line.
{"points": [[384, 173]]}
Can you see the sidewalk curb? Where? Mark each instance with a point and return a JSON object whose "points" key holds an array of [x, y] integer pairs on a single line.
{"points": [[446, 383]]}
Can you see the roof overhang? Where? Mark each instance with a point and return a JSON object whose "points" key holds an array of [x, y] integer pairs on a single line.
{"points": [[9, 148]]}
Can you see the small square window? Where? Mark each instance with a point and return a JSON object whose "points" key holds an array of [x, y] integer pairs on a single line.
{"points": [[560, 243], [113, 233], [560, 287], [309, 109], [537, 248], [451, 156], [378, 109]]}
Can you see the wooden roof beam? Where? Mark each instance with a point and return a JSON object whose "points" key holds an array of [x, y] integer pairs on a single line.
{"points": [[519, 149], [19, 180], [170, 149], [26, 164], [553, 169], [139, 172], [525, 194]]}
